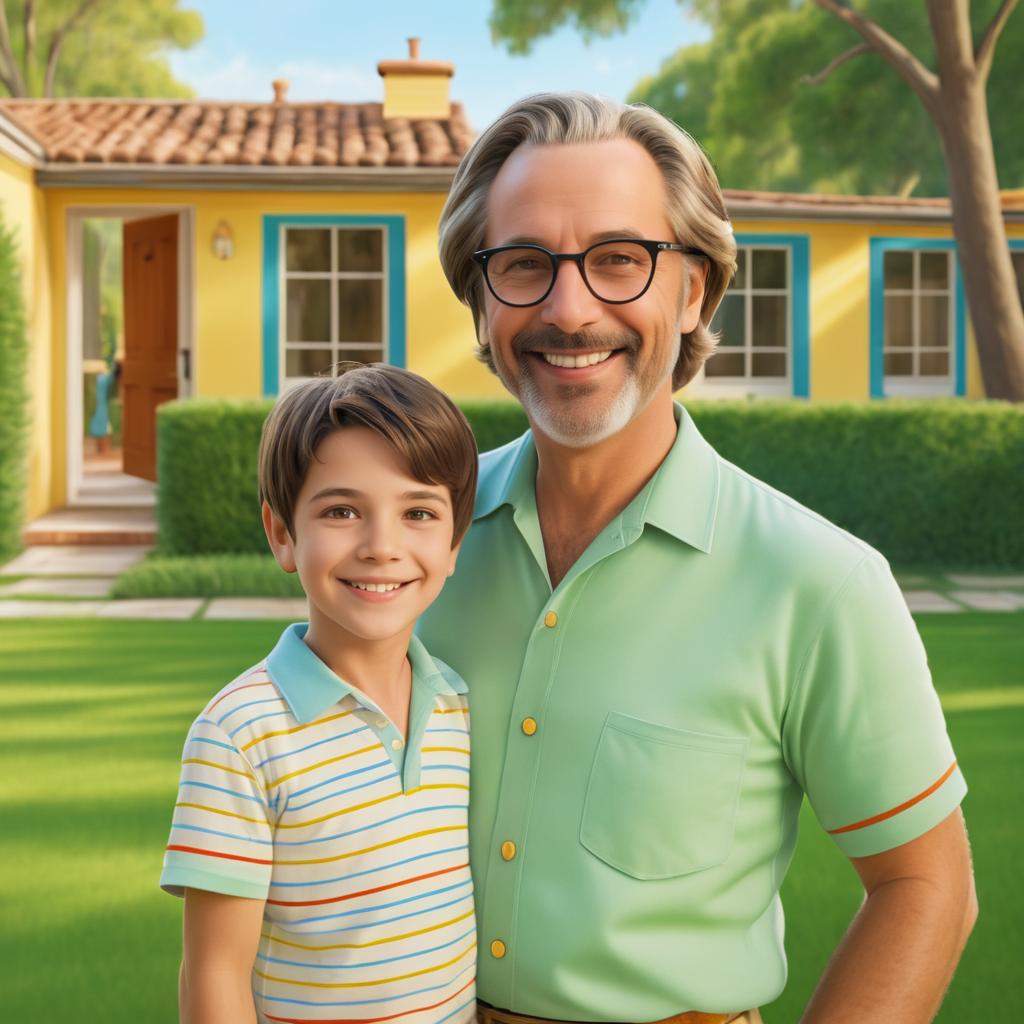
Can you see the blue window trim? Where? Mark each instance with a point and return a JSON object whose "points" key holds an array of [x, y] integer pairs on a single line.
{"points": [[800, 303], [879, 247], [395, 227]]}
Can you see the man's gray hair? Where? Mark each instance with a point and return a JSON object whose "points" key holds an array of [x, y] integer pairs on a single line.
{"points": [[696, 209]]}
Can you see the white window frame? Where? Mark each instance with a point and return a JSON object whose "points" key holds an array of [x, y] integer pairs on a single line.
{"points": [[337, 349]]}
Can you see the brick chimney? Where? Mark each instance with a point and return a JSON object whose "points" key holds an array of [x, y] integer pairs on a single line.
{"points": [[416, 88], [280, 91]]}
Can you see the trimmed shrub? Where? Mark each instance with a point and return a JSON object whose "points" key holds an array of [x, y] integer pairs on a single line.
{"points": [[207, 576], [14, 397], [928, 483]]}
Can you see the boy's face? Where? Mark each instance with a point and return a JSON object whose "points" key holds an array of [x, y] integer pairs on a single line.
{"points": [[373, 545]]}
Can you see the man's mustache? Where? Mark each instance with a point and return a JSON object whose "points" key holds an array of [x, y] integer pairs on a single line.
{"points": [[550, 339]]}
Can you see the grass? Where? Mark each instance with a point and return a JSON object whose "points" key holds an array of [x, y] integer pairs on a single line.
{"points": [[207, 576], [95, 713]]}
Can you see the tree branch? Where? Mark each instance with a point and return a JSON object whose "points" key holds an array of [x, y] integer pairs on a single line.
{"points": [[923, 81], [57, 42], [9, 73], [985, 50], [28, 53], [854, 51]]}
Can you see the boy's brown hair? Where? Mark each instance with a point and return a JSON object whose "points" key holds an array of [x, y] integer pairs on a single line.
{"points": [[421, 423]]}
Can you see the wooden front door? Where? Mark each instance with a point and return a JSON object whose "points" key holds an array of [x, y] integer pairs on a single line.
{"points": [[149, 375]]}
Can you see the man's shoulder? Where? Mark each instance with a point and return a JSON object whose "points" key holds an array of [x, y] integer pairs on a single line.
{"points": [[496, 469]]}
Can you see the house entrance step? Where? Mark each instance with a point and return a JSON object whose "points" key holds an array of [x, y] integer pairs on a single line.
{"points": [[86, 526]]}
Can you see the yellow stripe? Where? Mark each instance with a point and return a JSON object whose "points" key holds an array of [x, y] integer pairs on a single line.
{"points": [[461, 709], [375, 942], [450, 750], [366, 984], [227, 814], [371, 849], [297, 728], [370, 803], [321, 764], [222, 767]]}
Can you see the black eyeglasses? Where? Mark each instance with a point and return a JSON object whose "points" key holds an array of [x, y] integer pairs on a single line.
{"points": [[616, 271]]}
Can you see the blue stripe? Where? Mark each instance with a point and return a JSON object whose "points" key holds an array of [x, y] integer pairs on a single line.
{"points": [[448, 767], [249, 704], [367, 963], [310, 746], [224, 835], [258, 718], [344, 775], [341, 792], [214, 743], [458, 1009], [372, 825], [383, 906], [369, 871], [461, 732], [221, 789]]}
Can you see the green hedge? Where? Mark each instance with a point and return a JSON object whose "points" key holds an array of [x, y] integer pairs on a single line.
{"points": [[207, 576], [14, 398], [929, 483]]}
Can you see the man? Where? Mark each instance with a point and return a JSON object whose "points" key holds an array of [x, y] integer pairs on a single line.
{"points": [[664, 653]]}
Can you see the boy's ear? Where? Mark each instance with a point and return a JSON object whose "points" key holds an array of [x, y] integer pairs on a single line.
{"points": [[454, 558], [278, 538]]}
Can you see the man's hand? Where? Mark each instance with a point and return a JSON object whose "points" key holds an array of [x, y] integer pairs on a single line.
{"points": [[222, 934], [898, 956]]}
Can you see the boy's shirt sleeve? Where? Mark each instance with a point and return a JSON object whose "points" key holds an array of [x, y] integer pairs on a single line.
{"points": [[221, 833], [864, 732]]}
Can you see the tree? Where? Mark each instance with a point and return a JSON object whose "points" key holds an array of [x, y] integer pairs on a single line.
{"points": [[789, 99], [93, 47]]}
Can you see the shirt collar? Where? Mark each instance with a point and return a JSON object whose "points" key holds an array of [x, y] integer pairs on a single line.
{"points": [[310, 687], [681, 498]]}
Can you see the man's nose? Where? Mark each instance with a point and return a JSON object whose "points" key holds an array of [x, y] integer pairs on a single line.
{"points": [[570, 305]]}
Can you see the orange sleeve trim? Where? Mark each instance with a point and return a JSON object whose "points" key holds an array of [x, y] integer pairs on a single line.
{"points": [[896, 810]]}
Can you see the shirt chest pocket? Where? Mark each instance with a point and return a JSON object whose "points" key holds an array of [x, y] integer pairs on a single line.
{"points": [[661, 801]]}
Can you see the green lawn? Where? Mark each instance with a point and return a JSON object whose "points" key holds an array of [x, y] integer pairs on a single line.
{"points": [[94, 717]]}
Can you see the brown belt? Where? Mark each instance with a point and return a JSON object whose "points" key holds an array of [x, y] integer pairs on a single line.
{"points": [[491, 1015]]}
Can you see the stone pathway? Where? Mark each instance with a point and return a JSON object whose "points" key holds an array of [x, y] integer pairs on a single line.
{"points": [[68, 581]]}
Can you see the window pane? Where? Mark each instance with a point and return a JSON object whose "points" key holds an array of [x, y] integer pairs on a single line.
{"points": [[360, 250], [306, 362], [725, 364], [308, 249], [740, 280], [360, 317], [1018, 269], [769, 321], [729, 320], [899, 364], [899, 270], [768, 364], [934, 364], [899, 327], [934, 313], [362, 354], [309, 311], [935, 270], [769, 268]]}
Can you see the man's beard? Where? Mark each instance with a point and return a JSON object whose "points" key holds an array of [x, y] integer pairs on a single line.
{"points": [[561, 419]]}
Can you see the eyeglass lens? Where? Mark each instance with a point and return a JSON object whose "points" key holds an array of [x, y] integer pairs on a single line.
{"points": [[615, 272]]}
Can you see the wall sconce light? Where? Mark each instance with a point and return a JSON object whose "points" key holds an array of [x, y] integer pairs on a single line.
{"points": [[223, 241]]}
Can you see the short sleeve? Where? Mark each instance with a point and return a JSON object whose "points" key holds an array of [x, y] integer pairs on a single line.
{"points": [[864, 732], [221, 836]]}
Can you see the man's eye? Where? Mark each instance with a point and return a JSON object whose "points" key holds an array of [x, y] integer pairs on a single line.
{"points": [[420, 515], [339, 512]]}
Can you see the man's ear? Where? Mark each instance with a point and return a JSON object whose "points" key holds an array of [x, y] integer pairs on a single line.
{"points": [[696, 283], [278, 538]]}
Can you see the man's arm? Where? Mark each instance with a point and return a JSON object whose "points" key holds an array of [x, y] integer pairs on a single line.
{"points": [[221, 936], [898, 956]]}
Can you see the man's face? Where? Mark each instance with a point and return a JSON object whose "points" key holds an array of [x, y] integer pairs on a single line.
{"points": [[566, 198]]}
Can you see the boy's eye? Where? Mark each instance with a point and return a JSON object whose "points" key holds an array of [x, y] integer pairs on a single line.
{"points": [[420, 515], [339, 512]]}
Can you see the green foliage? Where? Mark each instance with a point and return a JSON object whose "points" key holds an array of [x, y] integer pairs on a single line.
{"points": [[207, 576], [519, 22], [927, 483], [118, 48], [14, 397]]}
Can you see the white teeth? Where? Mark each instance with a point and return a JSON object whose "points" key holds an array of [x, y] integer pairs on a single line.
{"points": [[575, 362], [375, 588]]}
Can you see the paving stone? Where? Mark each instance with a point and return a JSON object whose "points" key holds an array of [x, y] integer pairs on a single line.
{"points": [[291, 608], [990, 600], [49, 609], [912, 582], [929, 601], [154, 608], [54, 586], [980, 580], [75, 560]]}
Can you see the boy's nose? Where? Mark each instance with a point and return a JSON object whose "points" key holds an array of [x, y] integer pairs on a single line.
{"points": [[378, 543]]}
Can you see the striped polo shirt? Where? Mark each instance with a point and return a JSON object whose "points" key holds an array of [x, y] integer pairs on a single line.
{"points": [[296, 789]]}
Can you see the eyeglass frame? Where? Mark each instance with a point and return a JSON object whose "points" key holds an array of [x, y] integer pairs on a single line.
{"points": [[482, 256]]}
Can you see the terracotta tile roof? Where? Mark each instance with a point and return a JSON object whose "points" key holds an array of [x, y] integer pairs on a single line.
{"points": [[825, 202], [210, 133]]}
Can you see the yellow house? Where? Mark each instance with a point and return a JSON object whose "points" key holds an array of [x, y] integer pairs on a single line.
{"points": [[263, 241]]}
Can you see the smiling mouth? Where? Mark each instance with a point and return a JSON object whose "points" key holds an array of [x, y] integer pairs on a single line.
{"points": [[374, 588], [575, 362]]}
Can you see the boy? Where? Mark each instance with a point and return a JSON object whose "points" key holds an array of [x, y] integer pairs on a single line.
{"points": [[319, 837]]}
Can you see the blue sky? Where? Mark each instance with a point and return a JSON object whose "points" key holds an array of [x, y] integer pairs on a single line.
{"points": [[329, 49]]}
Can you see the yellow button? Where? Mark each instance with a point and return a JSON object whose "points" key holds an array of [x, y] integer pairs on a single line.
{"points": [[396, 744], [551, 620], [529, 726], [508, 849], [497, 949]]}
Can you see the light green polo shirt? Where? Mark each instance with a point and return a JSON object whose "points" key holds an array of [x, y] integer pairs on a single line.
{"points": [[644, 734]]}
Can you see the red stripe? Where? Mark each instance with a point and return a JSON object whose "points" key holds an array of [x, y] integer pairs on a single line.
{"points": [[235, 690], [895, 810], [213, 853], [364, 892], [366, 1020]]}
